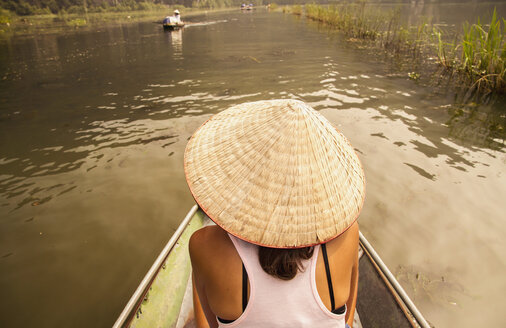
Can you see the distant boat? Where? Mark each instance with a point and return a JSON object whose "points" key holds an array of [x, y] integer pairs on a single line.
{"points": [[164, 296], [247, 7], [168, 25]]}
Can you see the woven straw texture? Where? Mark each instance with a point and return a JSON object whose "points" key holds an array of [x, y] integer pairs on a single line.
{"points": [[275, 173]]}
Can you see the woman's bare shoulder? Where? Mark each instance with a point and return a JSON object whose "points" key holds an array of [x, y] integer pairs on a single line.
{"points": [[206, 234], [353, 230], [348, 238], [207, 241]]}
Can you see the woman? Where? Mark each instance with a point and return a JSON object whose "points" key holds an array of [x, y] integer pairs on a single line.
{"points": [[285, 189]]}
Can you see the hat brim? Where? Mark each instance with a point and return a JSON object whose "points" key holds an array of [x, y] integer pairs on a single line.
{"points": [[275, 208]]}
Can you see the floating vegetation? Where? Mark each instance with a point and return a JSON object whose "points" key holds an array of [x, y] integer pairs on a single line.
{"points": [[413, 75], [475, 59]]}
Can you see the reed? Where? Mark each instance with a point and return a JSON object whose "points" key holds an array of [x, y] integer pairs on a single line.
{"points": [[353, 19], [443, 49], [478, 56], [484, 54]]}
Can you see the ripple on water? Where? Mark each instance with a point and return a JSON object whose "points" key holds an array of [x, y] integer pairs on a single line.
{"points": [[92, 151]]}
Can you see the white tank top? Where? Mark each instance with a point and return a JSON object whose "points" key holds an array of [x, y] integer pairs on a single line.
{"points": [[282, 303]]}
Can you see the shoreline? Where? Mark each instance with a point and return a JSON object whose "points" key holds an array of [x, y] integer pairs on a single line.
{"points": [[56, 23]]}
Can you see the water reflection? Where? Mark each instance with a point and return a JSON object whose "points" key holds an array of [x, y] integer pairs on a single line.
{"points": [[175, 38]]}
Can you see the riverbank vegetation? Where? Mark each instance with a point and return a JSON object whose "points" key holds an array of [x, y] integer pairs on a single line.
{"points": [[474, 57], [43, 16], [27, 16], [46, 23], [61, 7], [47, 7]]}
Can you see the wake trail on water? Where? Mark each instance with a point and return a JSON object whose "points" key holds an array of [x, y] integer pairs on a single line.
{"points": [[206, 23]]}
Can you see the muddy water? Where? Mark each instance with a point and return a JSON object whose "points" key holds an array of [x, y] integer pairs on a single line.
{"points": [[93, 125]]}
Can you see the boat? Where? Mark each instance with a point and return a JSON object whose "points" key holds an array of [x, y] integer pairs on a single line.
{"points": [[164, 296], [168, 25], [247, 7]]}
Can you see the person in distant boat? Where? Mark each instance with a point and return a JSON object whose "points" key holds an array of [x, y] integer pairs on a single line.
{"points": [[174, 19], [285, 189], [177, 17]]}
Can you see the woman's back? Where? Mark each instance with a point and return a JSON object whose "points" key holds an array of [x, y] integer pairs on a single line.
{"points": [[217, 266], [278, 174]]}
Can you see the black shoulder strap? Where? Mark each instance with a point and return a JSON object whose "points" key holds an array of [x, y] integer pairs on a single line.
{"points": [[244, 288], [329, 278]]}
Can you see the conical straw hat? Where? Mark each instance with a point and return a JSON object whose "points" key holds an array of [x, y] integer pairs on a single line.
{"points": [[275, 173]]}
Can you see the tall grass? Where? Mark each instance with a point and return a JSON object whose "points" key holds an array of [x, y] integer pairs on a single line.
{"points": [[446, 52], [353, 19], [478, 55], [297, 10], [357, 20], [484, 54]]}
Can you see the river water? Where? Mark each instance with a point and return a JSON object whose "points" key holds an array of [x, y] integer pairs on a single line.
{"points": [[93, 125]]}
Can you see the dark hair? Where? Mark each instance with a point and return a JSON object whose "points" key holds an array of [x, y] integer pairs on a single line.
{"points": [[283, 263]]}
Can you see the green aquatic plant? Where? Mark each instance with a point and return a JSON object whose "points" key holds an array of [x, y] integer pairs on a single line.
{"points": [[442, 49], [484, 55], [5, 17], [420, 37]]}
